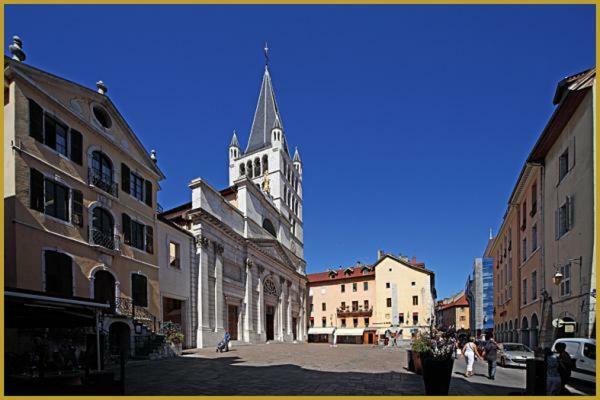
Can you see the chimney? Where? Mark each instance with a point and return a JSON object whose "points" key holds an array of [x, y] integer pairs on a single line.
{"points": [[380, 254], [16, 48], [414, 260], [102, 89]]}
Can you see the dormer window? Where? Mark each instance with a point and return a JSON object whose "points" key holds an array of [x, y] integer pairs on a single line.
{"points": [[102, 117]]}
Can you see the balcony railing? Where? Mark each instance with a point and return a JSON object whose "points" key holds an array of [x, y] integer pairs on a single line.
{"points": [[101, 238], [354, 311], [103, 182], [127, 308]]}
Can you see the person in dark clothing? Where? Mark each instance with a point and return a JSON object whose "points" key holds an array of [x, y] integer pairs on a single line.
{"points": [[490, 352], [565, 366]]}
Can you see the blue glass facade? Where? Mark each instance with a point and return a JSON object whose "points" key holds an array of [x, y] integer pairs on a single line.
{"points": [[488, 292]]}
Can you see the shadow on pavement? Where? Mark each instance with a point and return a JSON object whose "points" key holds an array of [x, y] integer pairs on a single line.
{"points": [[228, 375]]}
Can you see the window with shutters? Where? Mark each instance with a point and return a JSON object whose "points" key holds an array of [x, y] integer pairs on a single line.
{"points": [[388, 302], [524, 295], [137, 235], [564, 217], [563, 165], [524, 249], [139, 290], [323, 322], [534, 286], [415, 300], [533, 199], [56, 200], [58, 273], [47, 129], [52, 198], [534, 235], [137, 187]]}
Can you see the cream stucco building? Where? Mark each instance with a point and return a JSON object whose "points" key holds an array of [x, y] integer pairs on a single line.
{"points": [[393, 294], [80, 194]]}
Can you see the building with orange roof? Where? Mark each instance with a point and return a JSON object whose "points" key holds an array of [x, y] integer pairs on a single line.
{"points": [[453, 312]]}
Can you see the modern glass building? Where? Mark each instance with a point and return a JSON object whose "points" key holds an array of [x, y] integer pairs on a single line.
{"points": [[479, 291]]}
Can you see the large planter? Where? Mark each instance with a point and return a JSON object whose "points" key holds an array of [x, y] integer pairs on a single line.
{"points": [[436, 375], [417, 362], [176, 348]]}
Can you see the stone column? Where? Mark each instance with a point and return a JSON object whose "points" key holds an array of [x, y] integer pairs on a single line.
{"points": [[280, 308], [289, 307], [261, 302], [248, 301], [219, 299], [202, 291]]}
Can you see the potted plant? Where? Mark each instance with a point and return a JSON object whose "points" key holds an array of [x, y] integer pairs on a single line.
{"points": [[419, 345], [436, 357], [173, 336]]}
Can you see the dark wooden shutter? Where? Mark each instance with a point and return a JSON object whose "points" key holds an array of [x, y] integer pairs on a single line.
{"points": [[36, 190], [66, 275], [77, 208], [125, 177], [126, 229], [76, 154], [139, 285], [149, 239], [148, 197], [570, 212], [50, 132], [36, 121]]}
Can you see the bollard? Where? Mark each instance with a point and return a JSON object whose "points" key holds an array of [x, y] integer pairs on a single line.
{"points": [[536, 377]]}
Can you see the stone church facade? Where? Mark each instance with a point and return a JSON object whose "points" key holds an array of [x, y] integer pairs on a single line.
{"points": [[250, 274]]}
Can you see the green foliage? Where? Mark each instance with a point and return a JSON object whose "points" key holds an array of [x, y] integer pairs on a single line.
{"points": [[172, 332]]}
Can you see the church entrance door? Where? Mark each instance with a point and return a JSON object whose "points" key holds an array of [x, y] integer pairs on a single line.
{"points": [[294, 328], [270, 322], [232, 321]]}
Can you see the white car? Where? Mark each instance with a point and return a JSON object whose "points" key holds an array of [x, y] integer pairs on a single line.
{"points": [[582, 352]]}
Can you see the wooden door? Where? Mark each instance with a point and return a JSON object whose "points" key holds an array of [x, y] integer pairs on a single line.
{"points": [[232, 321]]}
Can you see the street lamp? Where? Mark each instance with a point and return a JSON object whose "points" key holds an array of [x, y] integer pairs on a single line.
{"points": [[557, 278]]}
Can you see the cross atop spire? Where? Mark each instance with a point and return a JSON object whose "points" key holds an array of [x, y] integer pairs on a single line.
{"points": [[266, 50]]}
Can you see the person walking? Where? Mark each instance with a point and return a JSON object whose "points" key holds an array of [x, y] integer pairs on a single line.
{"points": [[490, 353], [552, 375], [565, 366], [470, 352]]}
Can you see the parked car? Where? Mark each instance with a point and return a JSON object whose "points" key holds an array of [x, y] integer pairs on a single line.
{"points": [[514, 354], [582, 352]]}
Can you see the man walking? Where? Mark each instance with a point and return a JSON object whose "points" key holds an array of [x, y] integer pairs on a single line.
{"points": [[490, 353]]}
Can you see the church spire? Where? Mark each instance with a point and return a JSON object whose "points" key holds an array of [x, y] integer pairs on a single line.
{"points": [[234, 140], [266, 114]]}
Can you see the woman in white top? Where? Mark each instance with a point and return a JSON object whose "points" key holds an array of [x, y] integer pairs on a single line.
{"points": [[470, 352]]}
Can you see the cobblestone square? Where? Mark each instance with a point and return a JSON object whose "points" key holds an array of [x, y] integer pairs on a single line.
{"points": [[303, 369]]}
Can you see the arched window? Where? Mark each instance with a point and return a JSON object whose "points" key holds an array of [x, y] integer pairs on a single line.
{"points": [[257, 167], [58, 273], [268, 225], [101, 173], [242, 169], [265, 164], [249, 169], [104, 288], [103, 228]]}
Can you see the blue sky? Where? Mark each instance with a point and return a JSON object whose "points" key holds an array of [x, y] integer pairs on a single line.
{"points": [[413, 122]]}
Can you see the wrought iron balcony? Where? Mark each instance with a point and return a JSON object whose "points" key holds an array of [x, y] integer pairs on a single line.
{"points": [[103, 181], [101, 238], [354, 312], [126, 307]]}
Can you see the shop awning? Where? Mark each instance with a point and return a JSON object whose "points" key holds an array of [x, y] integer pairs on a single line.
{"points": [[32, 309], [320, 331], [349, 331]]}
